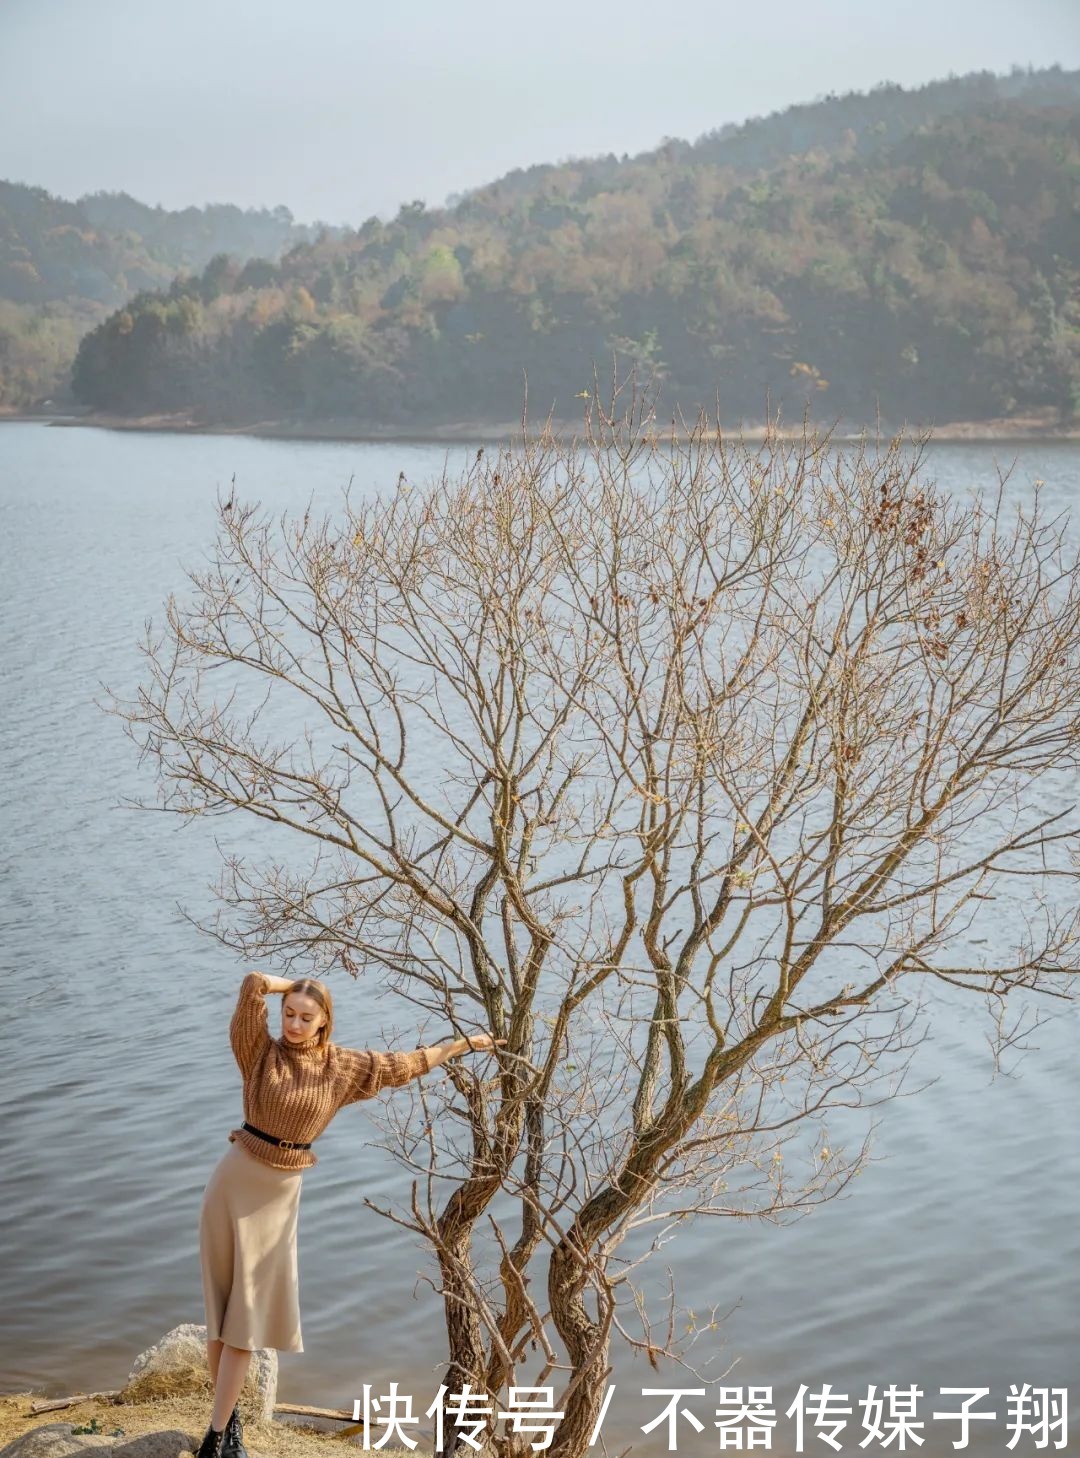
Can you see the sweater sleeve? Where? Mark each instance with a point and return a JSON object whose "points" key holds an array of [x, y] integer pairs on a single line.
{"points": [[364, 1072], [248, 1031]]}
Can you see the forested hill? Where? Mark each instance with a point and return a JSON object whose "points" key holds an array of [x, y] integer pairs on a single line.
{"points": [[913, 251], [64, 266], [857, 123]]}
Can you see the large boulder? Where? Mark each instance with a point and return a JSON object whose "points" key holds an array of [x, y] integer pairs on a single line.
{"points": [[58, 1440], [176, 1365]]}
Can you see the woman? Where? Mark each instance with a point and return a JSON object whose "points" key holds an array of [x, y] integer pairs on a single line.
{"points": [[293, 1087]]}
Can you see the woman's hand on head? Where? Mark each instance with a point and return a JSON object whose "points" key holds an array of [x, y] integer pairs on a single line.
{"points": [[277, 984]]}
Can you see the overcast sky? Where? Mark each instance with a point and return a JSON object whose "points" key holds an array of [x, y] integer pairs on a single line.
{"points": [[344, 108]]}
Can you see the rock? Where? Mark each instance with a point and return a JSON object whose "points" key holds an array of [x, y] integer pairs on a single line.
{"points": [[177, 1365], [58, 1440], [54, 1440]]}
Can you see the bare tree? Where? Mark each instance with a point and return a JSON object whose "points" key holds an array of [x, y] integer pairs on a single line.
{"points": [[684, 764]]}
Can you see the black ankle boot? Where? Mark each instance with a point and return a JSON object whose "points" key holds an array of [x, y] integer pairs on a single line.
{"points": [[232, 1445], [211, 1444]]}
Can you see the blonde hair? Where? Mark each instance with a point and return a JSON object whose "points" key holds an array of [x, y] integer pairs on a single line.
{"points": [[309, 987]]}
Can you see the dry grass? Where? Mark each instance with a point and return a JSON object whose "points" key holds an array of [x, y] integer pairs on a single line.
{"points": [[187, 1412]]}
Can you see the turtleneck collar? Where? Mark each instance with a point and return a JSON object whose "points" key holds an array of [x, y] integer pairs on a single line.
{"points": [[305, 1051]]}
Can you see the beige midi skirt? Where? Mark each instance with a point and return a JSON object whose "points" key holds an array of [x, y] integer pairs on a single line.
{"points": [[247, 1249]]}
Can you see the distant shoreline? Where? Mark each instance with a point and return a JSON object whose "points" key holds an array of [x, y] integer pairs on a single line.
{"points": [[1021, 428]]}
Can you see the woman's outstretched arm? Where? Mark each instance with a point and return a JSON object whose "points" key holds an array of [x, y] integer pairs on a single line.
{"points": [[364, 1071]]}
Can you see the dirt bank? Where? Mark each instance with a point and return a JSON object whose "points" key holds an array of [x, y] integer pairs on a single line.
{"points": [[1016, 428]]}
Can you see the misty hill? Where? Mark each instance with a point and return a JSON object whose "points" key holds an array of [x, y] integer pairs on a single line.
{"points": [[65, 265], [914, 249], [187, 238]]}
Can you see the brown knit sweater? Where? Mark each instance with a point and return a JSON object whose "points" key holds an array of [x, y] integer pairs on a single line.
{"points": [[293, 1093]]}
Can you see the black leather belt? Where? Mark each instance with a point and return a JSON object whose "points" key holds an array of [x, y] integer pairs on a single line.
{"points": [[281, 1143]]}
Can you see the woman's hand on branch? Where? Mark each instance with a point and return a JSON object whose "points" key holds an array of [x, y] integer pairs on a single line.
{"points": [[477, 1043]]}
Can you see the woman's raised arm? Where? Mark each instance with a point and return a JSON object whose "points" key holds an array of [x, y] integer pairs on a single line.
{"points": [[248, 1030]]}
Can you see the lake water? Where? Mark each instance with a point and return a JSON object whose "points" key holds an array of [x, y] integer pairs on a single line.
{"points": [[952, 1261]]}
